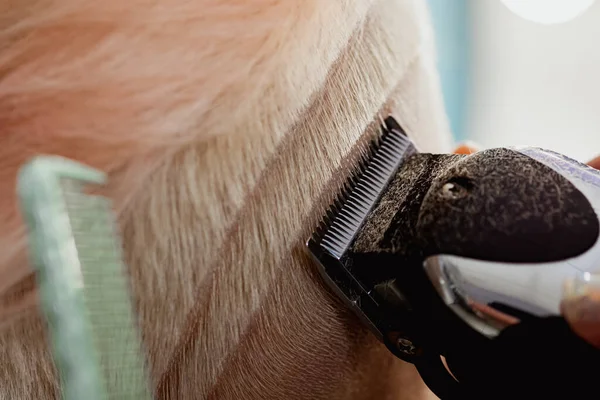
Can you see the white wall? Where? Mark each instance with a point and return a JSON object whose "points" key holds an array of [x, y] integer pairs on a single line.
{"points": [[535, 84]]}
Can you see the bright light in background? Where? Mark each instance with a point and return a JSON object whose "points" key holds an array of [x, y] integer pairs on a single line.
{"points": [[548, 11], [533, 85]]}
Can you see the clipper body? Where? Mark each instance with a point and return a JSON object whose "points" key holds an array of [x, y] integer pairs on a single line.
{"points": [[472, 258]]}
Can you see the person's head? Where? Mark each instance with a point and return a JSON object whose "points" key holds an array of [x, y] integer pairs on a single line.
{"points": [[225, 128]]}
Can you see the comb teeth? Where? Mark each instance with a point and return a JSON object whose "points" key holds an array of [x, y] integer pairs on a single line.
{"points": [[106, 295], [361, 192]]}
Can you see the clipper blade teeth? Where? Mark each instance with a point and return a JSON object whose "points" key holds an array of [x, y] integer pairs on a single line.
{"points": [[361, 191]]}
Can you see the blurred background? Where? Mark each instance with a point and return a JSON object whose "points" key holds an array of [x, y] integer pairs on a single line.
{"points": [[521, 72]]}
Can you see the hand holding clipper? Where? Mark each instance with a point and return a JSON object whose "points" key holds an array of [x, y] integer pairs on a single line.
{"points": [[490, 261]]}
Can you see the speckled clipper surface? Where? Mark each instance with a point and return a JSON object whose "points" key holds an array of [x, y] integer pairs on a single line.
{"points": [[496, 205]]}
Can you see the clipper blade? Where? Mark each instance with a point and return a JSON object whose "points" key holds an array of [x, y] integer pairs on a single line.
{"points": [[331, 241], [350, 210]]}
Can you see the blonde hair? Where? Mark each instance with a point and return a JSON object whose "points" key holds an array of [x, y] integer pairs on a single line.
{"points": [[226, 127]]}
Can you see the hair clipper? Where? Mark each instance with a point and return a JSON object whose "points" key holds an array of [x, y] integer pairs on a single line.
{"points": [[481, 270]]}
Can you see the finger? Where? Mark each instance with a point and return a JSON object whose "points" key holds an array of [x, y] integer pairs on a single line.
{"points": [[595, 162], [466, 148], [583, 314]]}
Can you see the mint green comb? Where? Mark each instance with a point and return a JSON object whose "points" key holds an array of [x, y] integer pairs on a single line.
{"points": [[83, 283]]}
